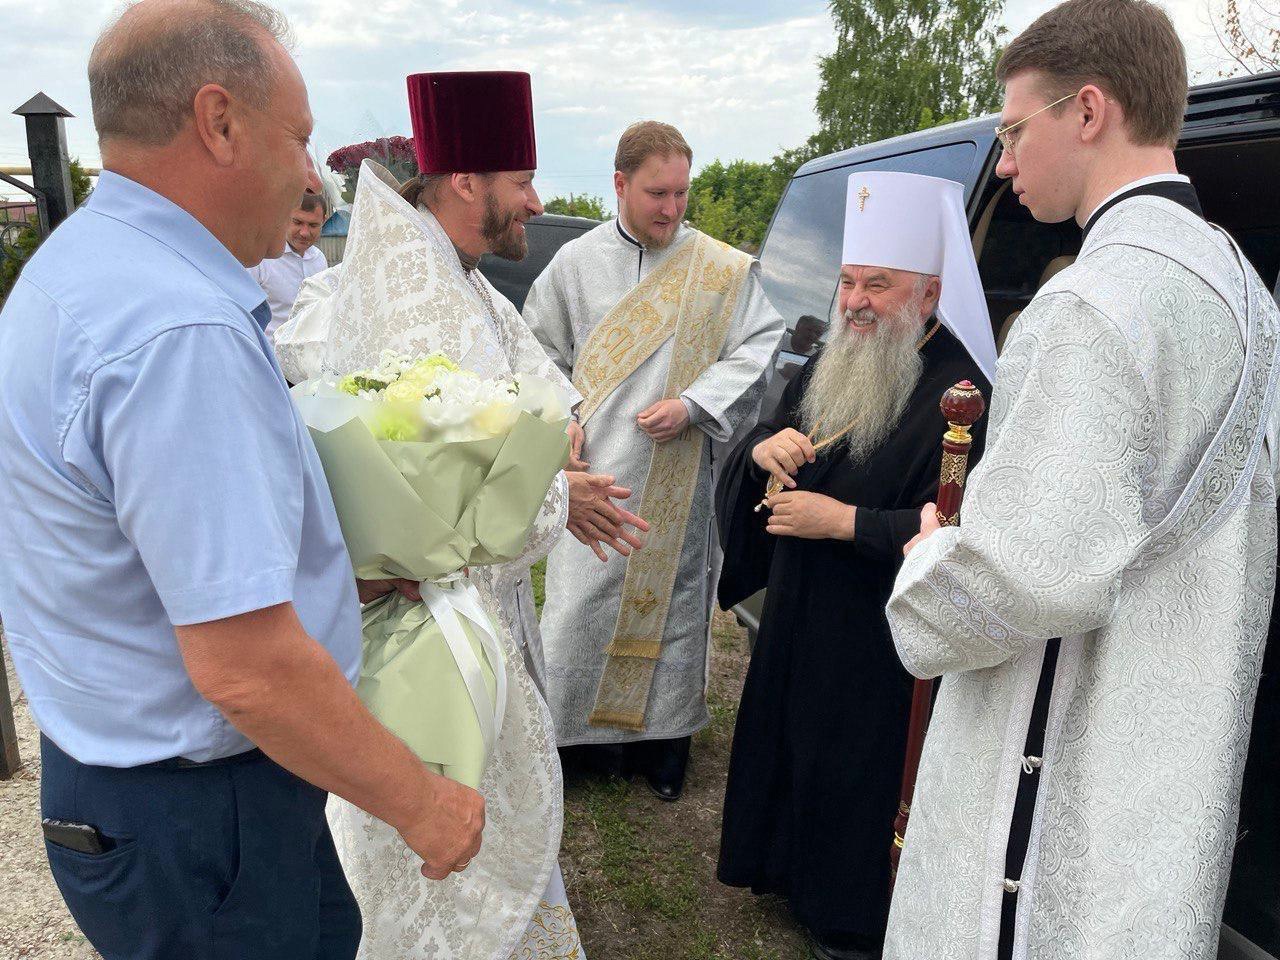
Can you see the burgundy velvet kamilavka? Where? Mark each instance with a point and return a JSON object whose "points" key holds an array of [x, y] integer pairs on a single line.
{"points": [[472, 121]]}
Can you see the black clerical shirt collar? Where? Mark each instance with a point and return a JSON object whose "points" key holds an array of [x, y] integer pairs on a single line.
{"points": [[1170, 186], [626, 235]]}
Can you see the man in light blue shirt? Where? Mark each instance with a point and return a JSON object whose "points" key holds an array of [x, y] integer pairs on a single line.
{"points": [[176, 593], [162, 477]]}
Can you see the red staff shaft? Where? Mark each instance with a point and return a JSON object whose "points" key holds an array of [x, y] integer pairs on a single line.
{"points": [[962, 405]]}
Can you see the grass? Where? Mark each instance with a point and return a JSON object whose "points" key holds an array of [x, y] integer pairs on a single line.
{"points": [[538, 579], [641, 873]]}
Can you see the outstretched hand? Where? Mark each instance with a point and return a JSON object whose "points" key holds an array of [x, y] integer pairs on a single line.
{"points": [[929, 525], [595, 520]]}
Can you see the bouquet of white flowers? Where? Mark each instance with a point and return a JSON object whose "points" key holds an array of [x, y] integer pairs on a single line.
{"points": [[434, 469]]}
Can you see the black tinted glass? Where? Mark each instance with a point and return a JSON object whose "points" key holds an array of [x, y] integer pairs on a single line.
{"points": [[513, 279], [800, 260]]}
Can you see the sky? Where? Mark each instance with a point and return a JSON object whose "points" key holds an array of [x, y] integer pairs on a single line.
{"points": [[738, 77]]}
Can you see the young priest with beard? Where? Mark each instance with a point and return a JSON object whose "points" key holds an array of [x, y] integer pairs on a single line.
{"points": [[821, 733]]}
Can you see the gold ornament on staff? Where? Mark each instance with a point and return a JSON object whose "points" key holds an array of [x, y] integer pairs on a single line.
{"points": [[774, 486]]}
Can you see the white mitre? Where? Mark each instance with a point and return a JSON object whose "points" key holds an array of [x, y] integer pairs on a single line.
{"points": [[905, 221]]}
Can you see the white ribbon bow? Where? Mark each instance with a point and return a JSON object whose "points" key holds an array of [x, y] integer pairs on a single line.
{"points": [[447, 601]]}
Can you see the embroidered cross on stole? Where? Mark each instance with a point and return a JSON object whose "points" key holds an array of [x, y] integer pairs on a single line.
{"points": [[692, 298]]}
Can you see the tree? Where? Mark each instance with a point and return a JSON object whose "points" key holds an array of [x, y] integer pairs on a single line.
{"points": [[734, 202], [579, 205], [25, 241], [897, 67], [1249, 34], [903, 65]]}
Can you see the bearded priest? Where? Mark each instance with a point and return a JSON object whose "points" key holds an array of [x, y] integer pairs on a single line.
{"points": [[408, 282], [667, 334], [850, 456]]}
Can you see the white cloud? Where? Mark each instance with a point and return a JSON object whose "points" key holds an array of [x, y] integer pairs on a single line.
{"points": [[738, 76]]}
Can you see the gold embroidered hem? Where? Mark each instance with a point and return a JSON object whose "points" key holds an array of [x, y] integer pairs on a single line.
{"points": [[552, 935]]}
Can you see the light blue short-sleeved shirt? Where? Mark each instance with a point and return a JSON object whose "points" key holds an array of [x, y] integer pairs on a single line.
{"points": [[153, 472]]}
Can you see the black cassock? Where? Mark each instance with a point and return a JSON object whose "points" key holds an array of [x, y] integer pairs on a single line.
{"points": [[821, 732]]}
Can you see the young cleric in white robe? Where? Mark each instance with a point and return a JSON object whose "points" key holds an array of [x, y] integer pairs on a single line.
{"points": [[1116, 551], [667, 334]]}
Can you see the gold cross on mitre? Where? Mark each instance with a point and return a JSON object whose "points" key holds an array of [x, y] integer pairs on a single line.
{"points": [[863, 194]]}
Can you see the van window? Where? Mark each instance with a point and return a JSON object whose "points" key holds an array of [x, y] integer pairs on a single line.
{"points": [[513, 278], [800, 260]]}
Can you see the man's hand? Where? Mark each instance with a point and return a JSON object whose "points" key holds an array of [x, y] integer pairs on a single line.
{"points": [[664, 420], [446, 833], [576, 439], [287, 694], [810, 516], [929, 525], [783, 454], [594, 519], [370, 590]]}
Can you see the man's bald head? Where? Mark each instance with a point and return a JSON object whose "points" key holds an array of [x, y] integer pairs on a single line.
{"points": [[148, 65]]}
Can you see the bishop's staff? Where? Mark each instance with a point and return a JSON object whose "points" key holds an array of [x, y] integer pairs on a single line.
{"points": [[962, 405]]}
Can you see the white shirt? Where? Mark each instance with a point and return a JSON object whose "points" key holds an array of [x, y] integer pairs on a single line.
{"points": [[281, 279]]}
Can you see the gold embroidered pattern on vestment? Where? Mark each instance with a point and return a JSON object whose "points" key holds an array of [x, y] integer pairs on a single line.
{"points": [[551, 935], [693, 297]]}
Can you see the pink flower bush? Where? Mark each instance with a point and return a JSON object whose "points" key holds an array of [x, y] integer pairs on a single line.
{"points": [[394, 153]]}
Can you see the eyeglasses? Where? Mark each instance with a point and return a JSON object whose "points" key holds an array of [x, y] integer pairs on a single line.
{"points": [[1002, 133]]}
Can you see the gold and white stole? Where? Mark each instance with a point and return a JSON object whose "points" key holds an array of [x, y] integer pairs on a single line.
{"points": [[691, 298]]}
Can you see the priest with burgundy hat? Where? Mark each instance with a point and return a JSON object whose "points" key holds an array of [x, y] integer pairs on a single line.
{"points": [[408, 282]]}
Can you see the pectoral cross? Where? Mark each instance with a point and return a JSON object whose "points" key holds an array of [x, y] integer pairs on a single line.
{"points": [[863, 194]]}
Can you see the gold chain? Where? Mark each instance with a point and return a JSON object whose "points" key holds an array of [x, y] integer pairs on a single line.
{"points": [[928, 335]]}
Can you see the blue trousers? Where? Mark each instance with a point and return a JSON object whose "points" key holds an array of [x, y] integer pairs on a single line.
{"points": [[231, 861]]}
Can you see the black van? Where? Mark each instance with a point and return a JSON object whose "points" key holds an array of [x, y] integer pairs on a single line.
{"points": [[1230, 147], [546, 234]]}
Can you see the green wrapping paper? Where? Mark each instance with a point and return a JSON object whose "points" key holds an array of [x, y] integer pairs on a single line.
{"points": [[424, 511]]}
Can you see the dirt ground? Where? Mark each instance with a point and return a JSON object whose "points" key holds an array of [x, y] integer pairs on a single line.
{"points": [[640, 873]]}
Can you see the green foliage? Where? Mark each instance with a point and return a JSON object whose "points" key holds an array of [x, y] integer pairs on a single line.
{"points": [[80, 183], [735, 202], [23, 242], [579, 205], [904, 65], [16, 254]]}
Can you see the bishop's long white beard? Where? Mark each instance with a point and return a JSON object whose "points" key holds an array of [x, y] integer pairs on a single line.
{"points": [[864, 379]]}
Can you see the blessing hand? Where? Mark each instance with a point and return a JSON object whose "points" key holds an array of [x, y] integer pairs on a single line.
{"points": [[783, 454], [810, 516], [594, 518], [929, 525], [664, 420]]}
